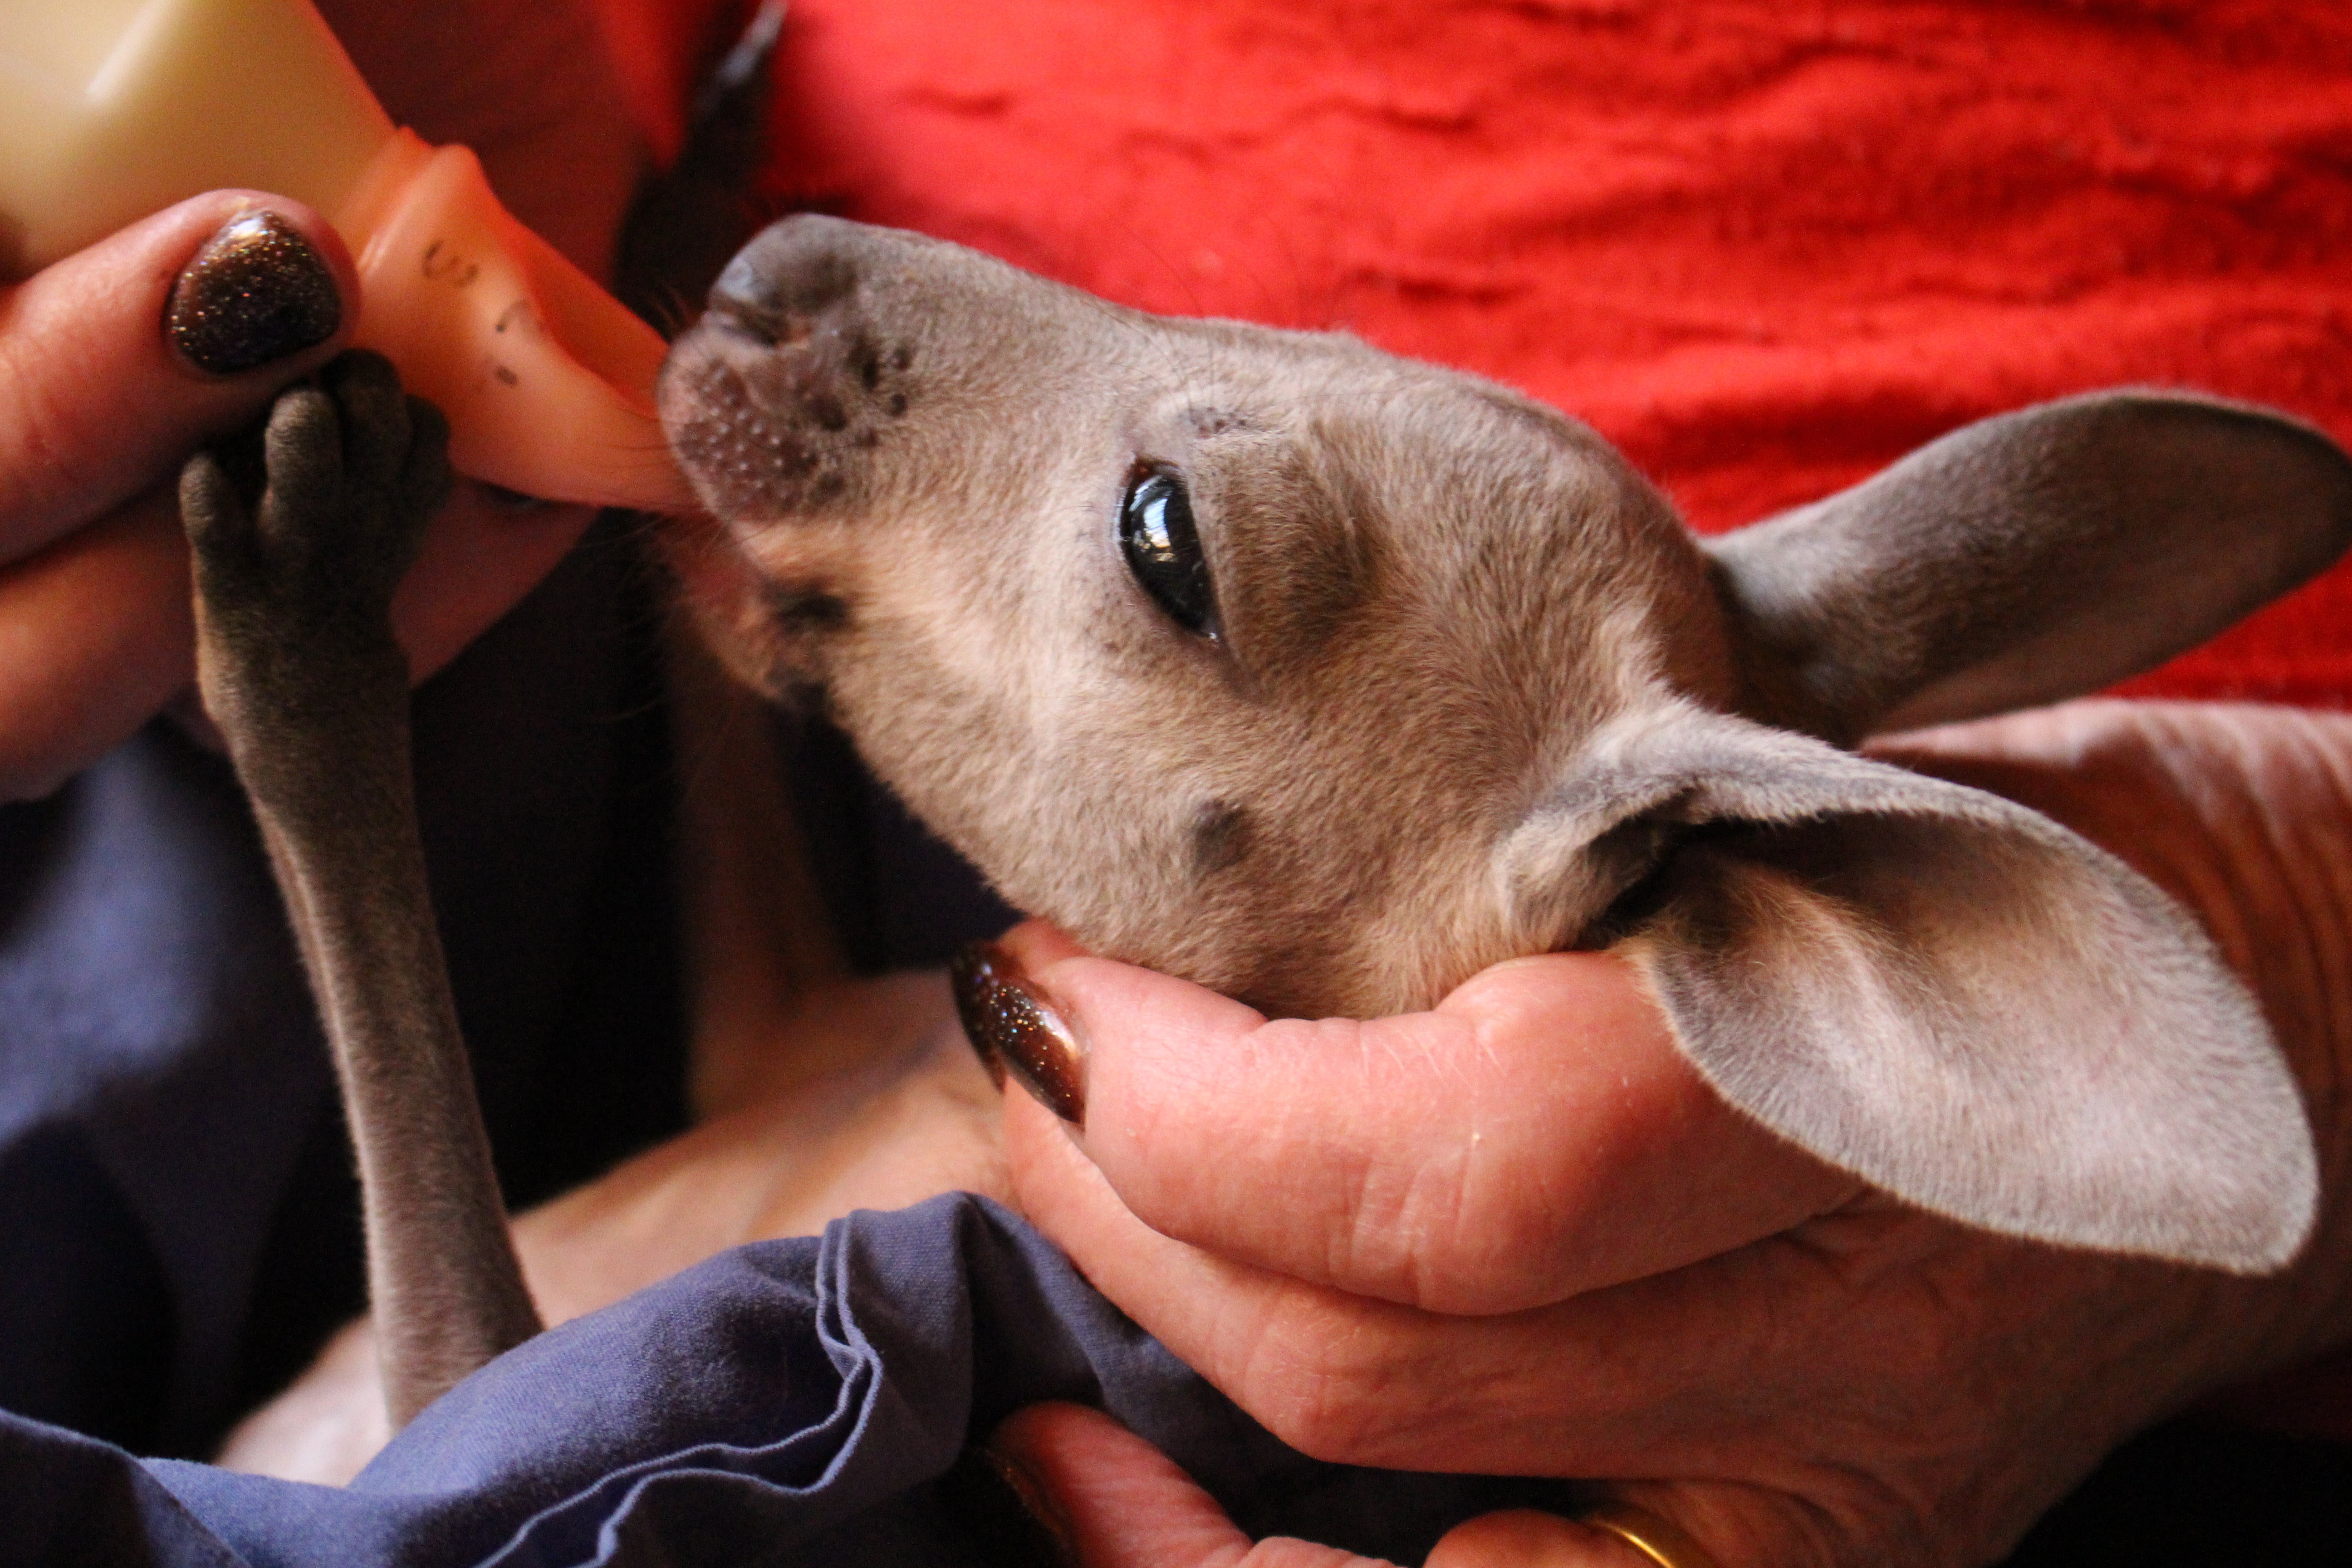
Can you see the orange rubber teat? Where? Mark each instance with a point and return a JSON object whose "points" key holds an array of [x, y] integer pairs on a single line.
{"points": [[111, 109]]}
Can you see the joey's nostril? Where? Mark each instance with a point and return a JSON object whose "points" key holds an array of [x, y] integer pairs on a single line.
{"points": [[866, 359], [827, 411], [741, 286], [762, 324], [779, 275], [743, 301]]}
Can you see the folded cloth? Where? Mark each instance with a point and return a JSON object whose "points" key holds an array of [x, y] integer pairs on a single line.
{"points": [[789, 1402]]}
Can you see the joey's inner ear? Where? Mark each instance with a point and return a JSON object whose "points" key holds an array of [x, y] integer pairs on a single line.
{"points": [[1948, 995], [2031, 557]]}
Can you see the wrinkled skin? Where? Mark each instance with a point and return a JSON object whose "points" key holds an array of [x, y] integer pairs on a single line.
{"points": [[1843, 1382]]}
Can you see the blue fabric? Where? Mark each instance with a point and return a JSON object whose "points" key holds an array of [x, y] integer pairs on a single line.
{"points": [[178, 1221], [785, 1403], [177, 1231]]}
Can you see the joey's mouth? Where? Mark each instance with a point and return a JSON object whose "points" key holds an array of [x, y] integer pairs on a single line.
{"points": [[773, 420], [772, 629], [784, 402], [755, 428]]}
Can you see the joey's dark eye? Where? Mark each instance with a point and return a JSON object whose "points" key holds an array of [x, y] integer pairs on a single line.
{"points": [[1155, 530]]}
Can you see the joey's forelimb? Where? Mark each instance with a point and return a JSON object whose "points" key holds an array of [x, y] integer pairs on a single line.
{"points": [[301, 534]]}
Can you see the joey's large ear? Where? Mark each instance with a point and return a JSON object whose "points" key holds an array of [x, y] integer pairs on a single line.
{"points": [[2028, 558], [1942, 992]]}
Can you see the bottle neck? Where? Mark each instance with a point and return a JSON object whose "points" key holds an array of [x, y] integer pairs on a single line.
{"points": [[547, 379]]}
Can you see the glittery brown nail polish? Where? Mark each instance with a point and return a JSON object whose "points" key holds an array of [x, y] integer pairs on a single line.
{"points": [[1013, 1029], [973, 1000], [257, 291]]}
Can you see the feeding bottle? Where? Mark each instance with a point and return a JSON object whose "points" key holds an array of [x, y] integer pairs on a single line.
{"points": [[111, 110]]}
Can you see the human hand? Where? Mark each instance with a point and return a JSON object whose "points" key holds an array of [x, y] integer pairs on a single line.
{"points": [[1517, 1234], [98, 406]]}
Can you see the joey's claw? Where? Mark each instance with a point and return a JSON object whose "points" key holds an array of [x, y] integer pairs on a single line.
{"points": [[213, 509], [365, 390], [301, 530], [313, 520]]}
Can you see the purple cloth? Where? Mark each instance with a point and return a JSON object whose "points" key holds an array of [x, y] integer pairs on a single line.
{"points": [[177, 1230], [178, 1222], [791, 1402]]}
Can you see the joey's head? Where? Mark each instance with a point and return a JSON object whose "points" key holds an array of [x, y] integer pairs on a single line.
{"points": [[1325, 678], [1237, 652]]}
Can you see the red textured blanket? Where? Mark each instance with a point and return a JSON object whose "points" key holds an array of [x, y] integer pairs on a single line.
{"points": [[1766, 245]]}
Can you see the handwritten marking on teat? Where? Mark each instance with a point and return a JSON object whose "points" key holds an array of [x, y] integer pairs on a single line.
{"points": [[456, 268]]}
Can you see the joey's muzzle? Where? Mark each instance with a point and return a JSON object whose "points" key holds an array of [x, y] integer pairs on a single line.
{"points": [[793, 374]]}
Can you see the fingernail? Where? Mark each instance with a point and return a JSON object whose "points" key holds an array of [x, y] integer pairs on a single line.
{"points": [[1014, 1028], [1005, 1512], [257, 292], [971, 994]]}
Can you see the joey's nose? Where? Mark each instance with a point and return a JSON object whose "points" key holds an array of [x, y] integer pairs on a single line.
{"points": [[795, 383], [791, 275]]}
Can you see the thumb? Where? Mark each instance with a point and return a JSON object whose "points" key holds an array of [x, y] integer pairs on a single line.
{"points": [[1523, 1537], [117, 361], [1113, 1500]]}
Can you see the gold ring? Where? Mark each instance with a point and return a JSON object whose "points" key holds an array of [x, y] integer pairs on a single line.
{"points": [[1663, 1543]]}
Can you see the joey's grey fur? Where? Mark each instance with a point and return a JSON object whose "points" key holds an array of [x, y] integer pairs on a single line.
{"points": [[297, 547], [1473, 691]]}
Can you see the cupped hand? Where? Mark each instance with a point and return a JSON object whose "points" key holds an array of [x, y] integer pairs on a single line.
{"points": [[98, 408], [1517, 1234]]}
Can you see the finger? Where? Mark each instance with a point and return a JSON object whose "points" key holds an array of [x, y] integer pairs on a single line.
{"points": [[1116, 1501], [96, 635], [97, 404], [1113, 1500], [1536, 1135], [1523, 1538], [481, 555], [1618, 1378]]}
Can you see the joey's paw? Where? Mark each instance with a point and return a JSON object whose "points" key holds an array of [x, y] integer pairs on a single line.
{"points": [[303, 527]]}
